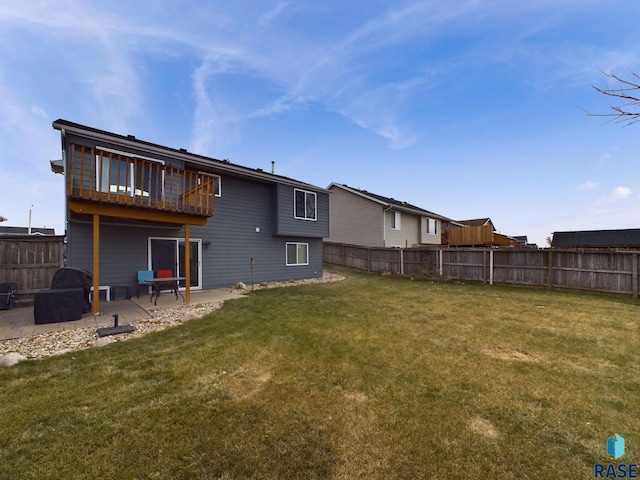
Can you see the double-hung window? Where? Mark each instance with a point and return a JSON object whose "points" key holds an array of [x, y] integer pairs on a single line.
{"points": [[395, 220], [297, 253], [305, 205], [432, 226]]}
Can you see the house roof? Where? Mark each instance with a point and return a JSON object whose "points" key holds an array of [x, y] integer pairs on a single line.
{"points": [[477, 222], [597, 238], [389, 202], [182, 154], [25, 231]]}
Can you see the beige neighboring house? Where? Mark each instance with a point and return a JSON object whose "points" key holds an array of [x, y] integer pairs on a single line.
{"points": [[359, 217]]}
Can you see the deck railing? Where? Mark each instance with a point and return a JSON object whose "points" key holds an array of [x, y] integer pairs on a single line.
{"points": [[101, 176]]}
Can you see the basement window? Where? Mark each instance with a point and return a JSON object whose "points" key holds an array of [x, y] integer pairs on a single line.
{"points": [[297, 253]]}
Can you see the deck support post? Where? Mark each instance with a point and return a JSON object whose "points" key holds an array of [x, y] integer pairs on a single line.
{"points": [[96, 264], [187, 263]]}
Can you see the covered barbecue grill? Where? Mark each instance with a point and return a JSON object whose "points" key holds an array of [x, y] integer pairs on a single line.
{"points": [[67, 299]]}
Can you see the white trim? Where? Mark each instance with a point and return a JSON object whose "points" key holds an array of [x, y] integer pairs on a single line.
{"points": [[219, 190], [315, 201], [435, 226], [103, 182], [177, 260], [286, 254], [395, 219]]}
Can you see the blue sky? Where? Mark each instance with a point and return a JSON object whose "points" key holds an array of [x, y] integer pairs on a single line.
{"points": [[466, 108]]}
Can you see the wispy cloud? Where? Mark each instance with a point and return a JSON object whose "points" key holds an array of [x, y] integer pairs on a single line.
{"points": [[268, 17], [616, 195], [588, 185]]}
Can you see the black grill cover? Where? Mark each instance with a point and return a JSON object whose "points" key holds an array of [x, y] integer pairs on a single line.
{"points": [[59, 305], [68, 277]]}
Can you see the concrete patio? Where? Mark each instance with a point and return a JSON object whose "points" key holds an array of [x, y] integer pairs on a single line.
{"points": [[19, 321]]}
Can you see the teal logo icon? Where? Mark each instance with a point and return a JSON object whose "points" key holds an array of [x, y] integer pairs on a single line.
{"points": [[615, 446]]}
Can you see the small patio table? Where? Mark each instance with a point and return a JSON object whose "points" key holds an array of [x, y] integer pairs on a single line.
{"points": [[156, 283]]}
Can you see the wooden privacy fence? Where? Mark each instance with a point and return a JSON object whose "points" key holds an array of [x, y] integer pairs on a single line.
{"points": [[604, 271], [30, 261]]}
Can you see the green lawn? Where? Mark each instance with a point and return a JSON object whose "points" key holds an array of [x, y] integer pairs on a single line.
{"points": [[374, 377]]}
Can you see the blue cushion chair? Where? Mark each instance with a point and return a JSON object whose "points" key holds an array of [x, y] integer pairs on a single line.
{"points": [[144, 275]]}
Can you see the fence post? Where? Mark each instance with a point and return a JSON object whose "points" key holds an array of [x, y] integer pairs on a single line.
{"points": [[484, 266], [401, 261], [490, 267], [634, 275], [550, 269], [441, 267]]}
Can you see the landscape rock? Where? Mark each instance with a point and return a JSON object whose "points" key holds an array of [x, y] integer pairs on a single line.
{"points": [[11, 359], [102, 342], [61, 352]]}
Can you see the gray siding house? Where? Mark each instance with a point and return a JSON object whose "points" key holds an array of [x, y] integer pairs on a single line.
{"points": [[358, 217], [133, 205]]}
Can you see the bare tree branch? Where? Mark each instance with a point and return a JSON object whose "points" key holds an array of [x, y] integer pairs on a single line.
{"points": [[627, 113]]}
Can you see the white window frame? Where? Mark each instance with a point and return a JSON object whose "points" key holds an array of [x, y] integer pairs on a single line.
{"points": [[297, 259], [395, 219], [434, 230], [217, 183], [103, 172], [315, 205]]}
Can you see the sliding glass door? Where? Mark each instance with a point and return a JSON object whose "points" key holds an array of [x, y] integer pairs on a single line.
{"points": [[169, 254]]}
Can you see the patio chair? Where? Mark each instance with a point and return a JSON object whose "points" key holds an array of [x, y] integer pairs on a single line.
{"points": [[7, 295], [142, 276], [165, 274]]}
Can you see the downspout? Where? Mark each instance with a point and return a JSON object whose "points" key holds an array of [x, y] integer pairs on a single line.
{"points": [[384, 225], [66, 170]]}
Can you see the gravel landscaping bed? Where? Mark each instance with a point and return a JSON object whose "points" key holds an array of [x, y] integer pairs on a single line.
{"points": [[57, 343]]}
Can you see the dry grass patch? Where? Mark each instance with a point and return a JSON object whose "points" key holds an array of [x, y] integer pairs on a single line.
{"points": [[483, 427], [356, 397], [246, 381], [504, 353]]}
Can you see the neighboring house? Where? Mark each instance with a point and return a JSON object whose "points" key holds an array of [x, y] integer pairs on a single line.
{"points": [[26, 231], [478, 232], [358, 217], [628, 238], [134, 205], [477, 222], [522, 241]]}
